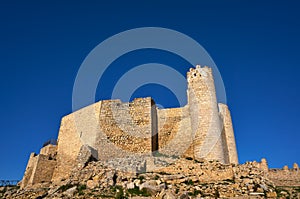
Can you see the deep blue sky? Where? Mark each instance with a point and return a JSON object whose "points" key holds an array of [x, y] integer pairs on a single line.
{"points": [[255, 45]]}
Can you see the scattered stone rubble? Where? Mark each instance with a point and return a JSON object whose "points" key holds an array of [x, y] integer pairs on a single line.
{"points": [[183, 178]]}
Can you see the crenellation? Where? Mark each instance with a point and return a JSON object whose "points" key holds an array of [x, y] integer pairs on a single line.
{"points": [[295, 166], [284, 177], [281, 177]]}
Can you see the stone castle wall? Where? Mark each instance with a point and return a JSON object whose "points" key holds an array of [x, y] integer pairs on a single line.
{"points": [[112, 130], [43, 170], [128, 126], [49, 150], [69, 144], [40, 167], [281, 177], [174, 130], [29, 168]]}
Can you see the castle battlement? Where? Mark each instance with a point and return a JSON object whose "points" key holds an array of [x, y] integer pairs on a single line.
{"points": [[281, 177], [195, 73]]}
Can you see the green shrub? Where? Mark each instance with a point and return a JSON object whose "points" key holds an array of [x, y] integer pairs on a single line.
{"points": [[137, 192], [119, 193], [141, 177], [195, 193], [189, 182], [297, 189], [104, 196], [65, 187], [80, 189]]}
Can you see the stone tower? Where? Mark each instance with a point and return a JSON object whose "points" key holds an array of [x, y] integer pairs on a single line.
{"points": [[205, 121], [228, 138]]}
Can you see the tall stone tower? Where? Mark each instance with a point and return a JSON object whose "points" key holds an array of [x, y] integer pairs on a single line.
{"points": [[228, 138], [205, 121]]}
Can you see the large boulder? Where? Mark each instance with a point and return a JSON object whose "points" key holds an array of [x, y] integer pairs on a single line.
{"points": [[86, 155], [152, 187]]}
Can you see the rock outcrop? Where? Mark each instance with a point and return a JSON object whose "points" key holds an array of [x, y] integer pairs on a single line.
{"points": [[181, 178]]}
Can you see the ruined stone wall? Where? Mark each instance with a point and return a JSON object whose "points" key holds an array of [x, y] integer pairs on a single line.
{"points": [[112, 128], [228, 135], [205, 121], [29, 169], [281, 177], [68, 147], [39, 169], [77, 129], [174, 131], [49, 150], [126, 128], [43, 170]]}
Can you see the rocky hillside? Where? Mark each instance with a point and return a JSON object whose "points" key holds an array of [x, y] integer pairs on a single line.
{"points": [[182, 179]]}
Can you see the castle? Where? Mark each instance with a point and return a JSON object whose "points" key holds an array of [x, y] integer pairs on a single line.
{"points": [[111, 129]]}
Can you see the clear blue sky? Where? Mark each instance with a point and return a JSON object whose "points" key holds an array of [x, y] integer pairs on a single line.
{"points": [[255, 45]]}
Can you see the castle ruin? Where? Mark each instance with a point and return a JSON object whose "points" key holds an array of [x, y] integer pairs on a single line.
{"points": [[110, 129]]}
